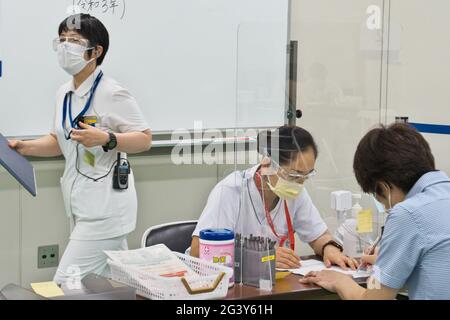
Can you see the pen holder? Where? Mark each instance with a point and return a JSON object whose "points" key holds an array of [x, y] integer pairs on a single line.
{"points": [[257, 266]]}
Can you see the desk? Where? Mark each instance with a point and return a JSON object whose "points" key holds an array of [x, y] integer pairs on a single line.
{"points": [[285, 289]]}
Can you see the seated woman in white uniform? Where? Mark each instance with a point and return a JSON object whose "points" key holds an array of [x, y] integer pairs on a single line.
{"points": [[101, 216], [270, 200]]}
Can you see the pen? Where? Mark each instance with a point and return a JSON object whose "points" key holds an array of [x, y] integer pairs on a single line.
{"points": [[375, 244], [373, 247]]}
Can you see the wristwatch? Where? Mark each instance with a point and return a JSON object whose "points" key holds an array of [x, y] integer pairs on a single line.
{"points": [[112, 144], [331, 243]]}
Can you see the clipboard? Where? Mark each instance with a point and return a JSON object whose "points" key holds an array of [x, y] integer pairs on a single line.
{"points": [[18, 166]]}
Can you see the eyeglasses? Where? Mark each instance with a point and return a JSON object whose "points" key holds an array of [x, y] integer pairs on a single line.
{"points": [[292, 175], [74, 40], [295, 176]]}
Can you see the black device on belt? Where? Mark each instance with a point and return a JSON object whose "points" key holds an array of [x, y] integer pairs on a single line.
{"points": [[122, 172]]}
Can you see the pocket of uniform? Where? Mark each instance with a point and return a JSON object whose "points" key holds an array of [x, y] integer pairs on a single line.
{"points": [[92, 200]]}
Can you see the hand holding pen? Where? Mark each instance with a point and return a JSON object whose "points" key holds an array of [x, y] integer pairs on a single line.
{"points": [[371, 253], [287, 259], [369, 259]]}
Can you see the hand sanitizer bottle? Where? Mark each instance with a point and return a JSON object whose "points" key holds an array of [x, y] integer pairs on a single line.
{"points": [[341, 202], [352, 243]]}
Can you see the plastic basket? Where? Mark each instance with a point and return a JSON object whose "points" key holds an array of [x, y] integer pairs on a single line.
{"points": [[211, 283]]}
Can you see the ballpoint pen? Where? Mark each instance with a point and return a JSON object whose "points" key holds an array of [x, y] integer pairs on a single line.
{"points": [[373, 247], [377, 241]]}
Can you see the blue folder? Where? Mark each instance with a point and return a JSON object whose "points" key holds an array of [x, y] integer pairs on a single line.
{"points": [[18, 166]]}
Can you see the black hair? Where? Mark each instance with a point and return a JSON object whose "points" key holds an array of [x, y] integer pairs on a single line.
{"points": [[397, 155], [290, 141], [90, 28]]}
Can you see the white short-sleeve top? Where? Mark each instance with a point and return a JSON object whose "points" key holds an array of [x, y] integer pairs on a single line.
{"points": [[99, 212]]}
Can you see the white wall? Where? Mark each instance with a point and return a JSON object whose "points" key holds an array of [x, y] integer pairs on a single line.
{"points": [[10, 221], [419, 68]]}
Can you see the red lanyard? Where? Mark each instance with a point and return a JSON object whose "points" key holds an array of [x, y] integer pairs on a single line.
{"points": [[290, 234]]}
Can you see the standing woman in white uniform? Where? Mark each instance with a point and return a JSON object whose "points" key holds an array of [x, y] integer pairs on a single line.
{"points": [[270, 200], [101, 217]]}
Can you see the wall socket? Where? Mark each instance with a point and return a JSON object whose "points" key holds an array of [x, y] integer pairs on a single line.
{"points": [[48, 257]]}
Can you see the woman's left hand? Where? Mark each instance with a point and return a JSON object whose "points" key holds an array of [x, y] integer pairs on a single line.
{"points": [[329, 280], [90, 136], [334, 256]]}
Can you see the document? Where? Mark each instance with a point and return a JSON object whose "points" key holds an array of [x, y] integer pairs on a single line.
{"points": [[156, 260], [308, 266]]}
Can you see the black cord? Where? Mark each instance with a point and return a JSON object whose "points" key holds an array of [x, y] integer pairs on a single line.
{"points": [[102, 177]]}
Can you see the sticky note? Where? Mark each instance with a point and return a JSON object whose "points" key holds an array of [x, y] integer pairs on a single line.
{"points": [[89, 158], [267, 259], [47, 289], [365, 221], [90, 120]]}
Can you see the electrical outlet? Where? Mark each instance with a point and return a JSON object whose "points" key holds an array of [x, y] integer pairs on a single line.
{"points": [[48, 257]]}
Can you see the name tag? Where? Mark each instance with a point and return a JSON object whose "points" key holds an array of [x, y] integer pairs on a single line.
{"points": [[89, 158], [90, 120]]}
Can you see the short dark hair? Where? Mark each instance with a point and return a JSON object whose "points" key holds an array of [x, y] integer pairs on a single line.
{"points": [[291, 140], [90, 28], [397, 155]]}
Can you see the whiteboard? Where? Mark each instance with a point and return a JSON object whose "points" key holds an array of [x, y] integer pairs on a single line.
{"points": [[221, 62]]}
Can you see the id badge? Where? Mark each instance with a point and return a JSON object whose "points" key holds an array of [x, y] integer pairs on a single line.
{"points": [[89, 158], [90, 120]]}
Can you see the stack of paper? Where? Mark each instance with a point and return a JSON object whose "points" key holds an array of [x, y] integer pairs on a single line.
{"points": [[156, 260], [308, 266]]}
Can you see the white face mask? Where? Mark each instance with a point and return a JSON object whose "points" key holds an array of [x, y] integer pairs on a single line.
{"points": [[380, 206], [286, 190], [71, 57]]}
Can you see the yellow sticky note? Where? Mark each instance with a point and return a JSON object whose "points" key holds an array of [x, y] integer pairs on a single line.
{"points": [[89, 158], [267, 259], [47, 289], [365, 221]]}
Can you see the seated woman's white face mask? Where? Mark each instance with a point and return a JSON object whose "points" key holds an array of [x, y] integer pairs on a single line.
{"points": [[286, 190]]}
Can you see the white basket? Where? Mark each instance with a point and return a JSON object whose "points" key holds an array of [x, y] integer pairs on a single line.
{"points": [[161, 288]]}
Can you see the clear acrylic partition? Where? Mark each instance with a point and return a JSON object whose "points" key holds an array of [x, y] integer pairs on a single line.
{"points": [[260, 105], [339, 90]]}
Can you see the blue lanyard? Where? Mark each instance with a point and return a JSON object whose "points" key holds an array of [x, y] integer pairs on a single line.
{"points": [[68, 105]]}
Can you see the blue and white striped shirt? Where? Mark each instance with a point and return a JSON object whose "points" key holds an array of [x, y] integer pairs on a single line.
{"points": [[415, 248]]}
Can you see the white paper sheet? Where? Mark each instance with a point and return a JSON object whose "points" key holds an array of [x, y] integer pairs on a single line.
{"points": [[308, 266], [156, 260]]}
